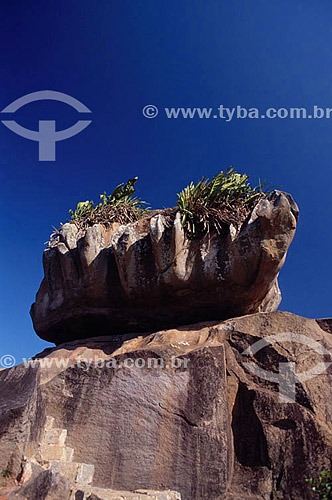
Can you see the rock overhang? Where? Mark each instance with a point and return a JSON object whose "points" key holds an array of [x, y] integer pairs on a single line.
{"points": [[148, 275]]}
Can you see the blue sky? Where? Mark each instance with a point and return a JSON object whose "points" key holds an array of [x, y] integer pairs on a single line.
{"points": [[116, 56]]}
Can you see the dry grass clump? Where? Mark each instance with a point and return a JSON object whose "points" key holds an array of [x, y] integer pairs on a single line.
{"points": [[227, 199], [121, 206], [213, 205]]}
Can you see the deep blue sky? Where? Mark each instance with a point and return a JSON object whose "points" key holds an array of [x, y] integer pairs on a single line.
{"points": [[117, 56]]}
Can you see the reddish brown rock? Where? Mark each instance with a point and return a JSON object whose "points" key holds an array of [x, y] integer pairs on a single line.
{"points": [[210, 430], [147, 275]]}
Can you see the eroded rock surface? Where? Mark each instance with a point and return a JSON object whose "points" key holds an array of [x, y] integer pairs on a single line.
{"points": [[209, 429], [147, 275]]}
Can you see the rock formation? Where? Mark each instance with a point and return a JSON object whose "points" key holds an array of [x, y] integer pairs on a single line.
{"points": [[133, 405], [169, 415], [147, 275]]}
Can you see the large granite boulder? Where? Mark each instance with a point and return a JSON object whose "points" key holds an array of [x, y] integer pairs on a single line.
{"points": [[174, 414], [148, 275]]}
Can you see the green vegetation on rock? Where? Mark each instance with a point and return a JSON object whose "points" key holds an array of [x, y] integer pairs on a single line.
{"points": [[322, 485], [227, 198], [121, 206], [207, 205], [6, 472]]}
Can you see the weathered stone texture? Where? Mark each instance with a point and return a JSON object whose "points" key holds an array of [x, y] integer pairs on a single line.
{"points": [[148, 275]]}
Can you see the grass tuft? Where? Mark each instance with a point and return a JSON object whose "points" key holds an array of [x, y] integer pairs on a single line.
{"points": [[209, 205], [121, 206], [226, 199]]}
